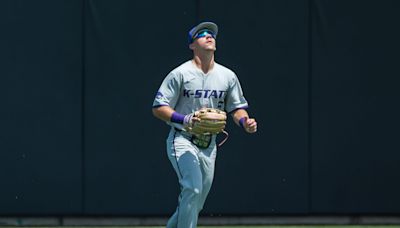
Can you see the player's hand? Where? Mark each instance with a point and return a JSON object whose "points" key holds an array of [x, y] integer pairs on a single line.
{"points": [[250, 125], [189, 120]]}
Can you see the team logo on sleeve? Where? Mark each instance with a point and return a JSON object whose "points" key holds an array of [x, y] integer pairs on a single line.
{"points": [[160, 97], [204, 93]]}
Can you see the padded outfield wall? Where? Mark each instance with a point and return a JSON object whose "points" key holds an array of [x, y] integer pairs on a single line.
{"points": [[77, 80]]}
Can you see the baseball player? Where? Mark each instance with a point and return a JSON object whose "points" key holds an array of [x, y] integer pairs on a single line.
{"points": [[197, 83]]}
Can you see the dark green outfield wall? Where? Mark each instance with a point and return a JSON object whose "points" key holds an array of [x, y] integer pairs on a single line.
{"points": [[77, 81]]}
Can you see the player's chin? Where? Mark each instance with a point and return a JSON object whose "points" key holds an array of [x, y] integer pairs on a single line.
{"points": [[211, 49]]}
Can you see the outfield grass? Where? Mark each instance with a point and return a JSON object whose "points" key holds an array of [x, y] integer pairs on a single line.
{"points": [[281, 226], [242, 226]]}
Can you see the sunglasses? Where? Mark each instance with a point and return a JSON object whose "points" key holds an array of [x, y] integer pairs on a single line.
{"points": [[204, 34]]}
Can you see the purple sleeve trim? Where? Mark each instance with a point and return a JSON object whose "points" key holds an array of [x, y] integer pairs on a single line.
{"points": [[156, 106], [234, 110], [241, 121], [177, 118]]}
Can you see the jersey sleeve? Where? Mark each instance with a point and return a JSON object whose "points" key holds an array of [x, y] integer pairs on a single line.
{"points": [[235, 99], [168, 93]]}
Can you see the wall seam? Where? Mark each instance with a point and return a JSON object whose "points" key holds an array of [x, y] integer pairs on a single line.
{"points": [[83, 109], [309, 103]]}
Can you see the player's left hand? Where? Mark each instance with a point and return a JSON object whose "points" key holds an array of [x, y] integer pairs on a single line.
{"points": [[250, 125]]}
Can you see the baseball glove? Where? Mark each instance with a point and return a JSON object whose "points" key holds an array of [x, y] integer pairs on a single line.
{"points": [[210, 121]]}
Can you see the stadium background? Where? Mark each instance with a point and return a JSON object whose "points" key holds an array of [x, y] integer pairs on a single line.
{"points": [[77, 80]]}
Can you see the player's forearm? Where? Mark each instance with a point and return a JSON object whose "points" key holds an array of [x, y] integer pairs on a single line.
{"points": [[238, 115], [168, 114], [163, 113]]}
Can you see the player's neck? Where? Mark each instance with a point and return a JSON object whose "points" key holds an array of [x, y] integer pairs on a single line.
{"points": [[204, 62]]}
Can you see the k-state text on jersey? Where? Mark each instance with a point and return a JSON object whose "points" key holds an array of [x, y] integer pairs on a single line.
{"points": [[204, 93]]}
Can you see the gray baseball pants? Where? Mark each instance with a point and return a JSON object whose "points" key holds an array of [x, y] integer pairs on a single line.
{"points": [[195, 170]]}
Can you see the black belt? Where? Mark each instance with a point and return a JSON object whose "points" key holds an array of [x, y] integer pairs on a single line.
{"points": [[201, 141], [194, 139]]}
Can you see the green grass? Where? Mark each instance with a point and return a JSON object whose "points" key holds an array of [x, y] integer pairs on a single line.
{"points": [[272, 226]]}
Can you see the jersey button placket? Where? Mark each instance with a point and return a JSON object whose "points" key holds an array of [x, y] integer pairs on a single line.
{"points": [[205, 101]]}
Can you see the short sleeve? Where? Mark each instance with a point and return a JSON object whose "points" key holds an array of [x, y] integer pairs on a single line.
{"points": [[235, 99], [168, 93]]}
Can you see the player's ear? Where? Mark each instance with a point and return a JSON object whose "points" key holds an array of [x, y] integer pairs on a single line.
{"points": [[191, 46]]}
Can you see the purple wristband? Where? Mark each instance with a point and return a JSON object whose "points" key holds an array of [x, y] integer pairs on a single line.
{"points": [[241, 121], [177, 118]]}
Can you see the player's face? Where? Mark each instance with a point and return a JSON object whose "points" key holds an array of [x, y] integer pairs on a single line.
{"points": [[205, 41]]}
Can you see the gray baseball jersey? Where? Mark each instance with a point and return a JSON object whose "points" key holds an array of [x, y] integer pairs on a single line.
{"points": [[187, 89]]}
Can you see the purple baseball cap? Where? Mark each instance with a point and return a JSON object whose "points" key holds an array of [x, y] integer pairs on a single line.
{"points": [[210, 26]]}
